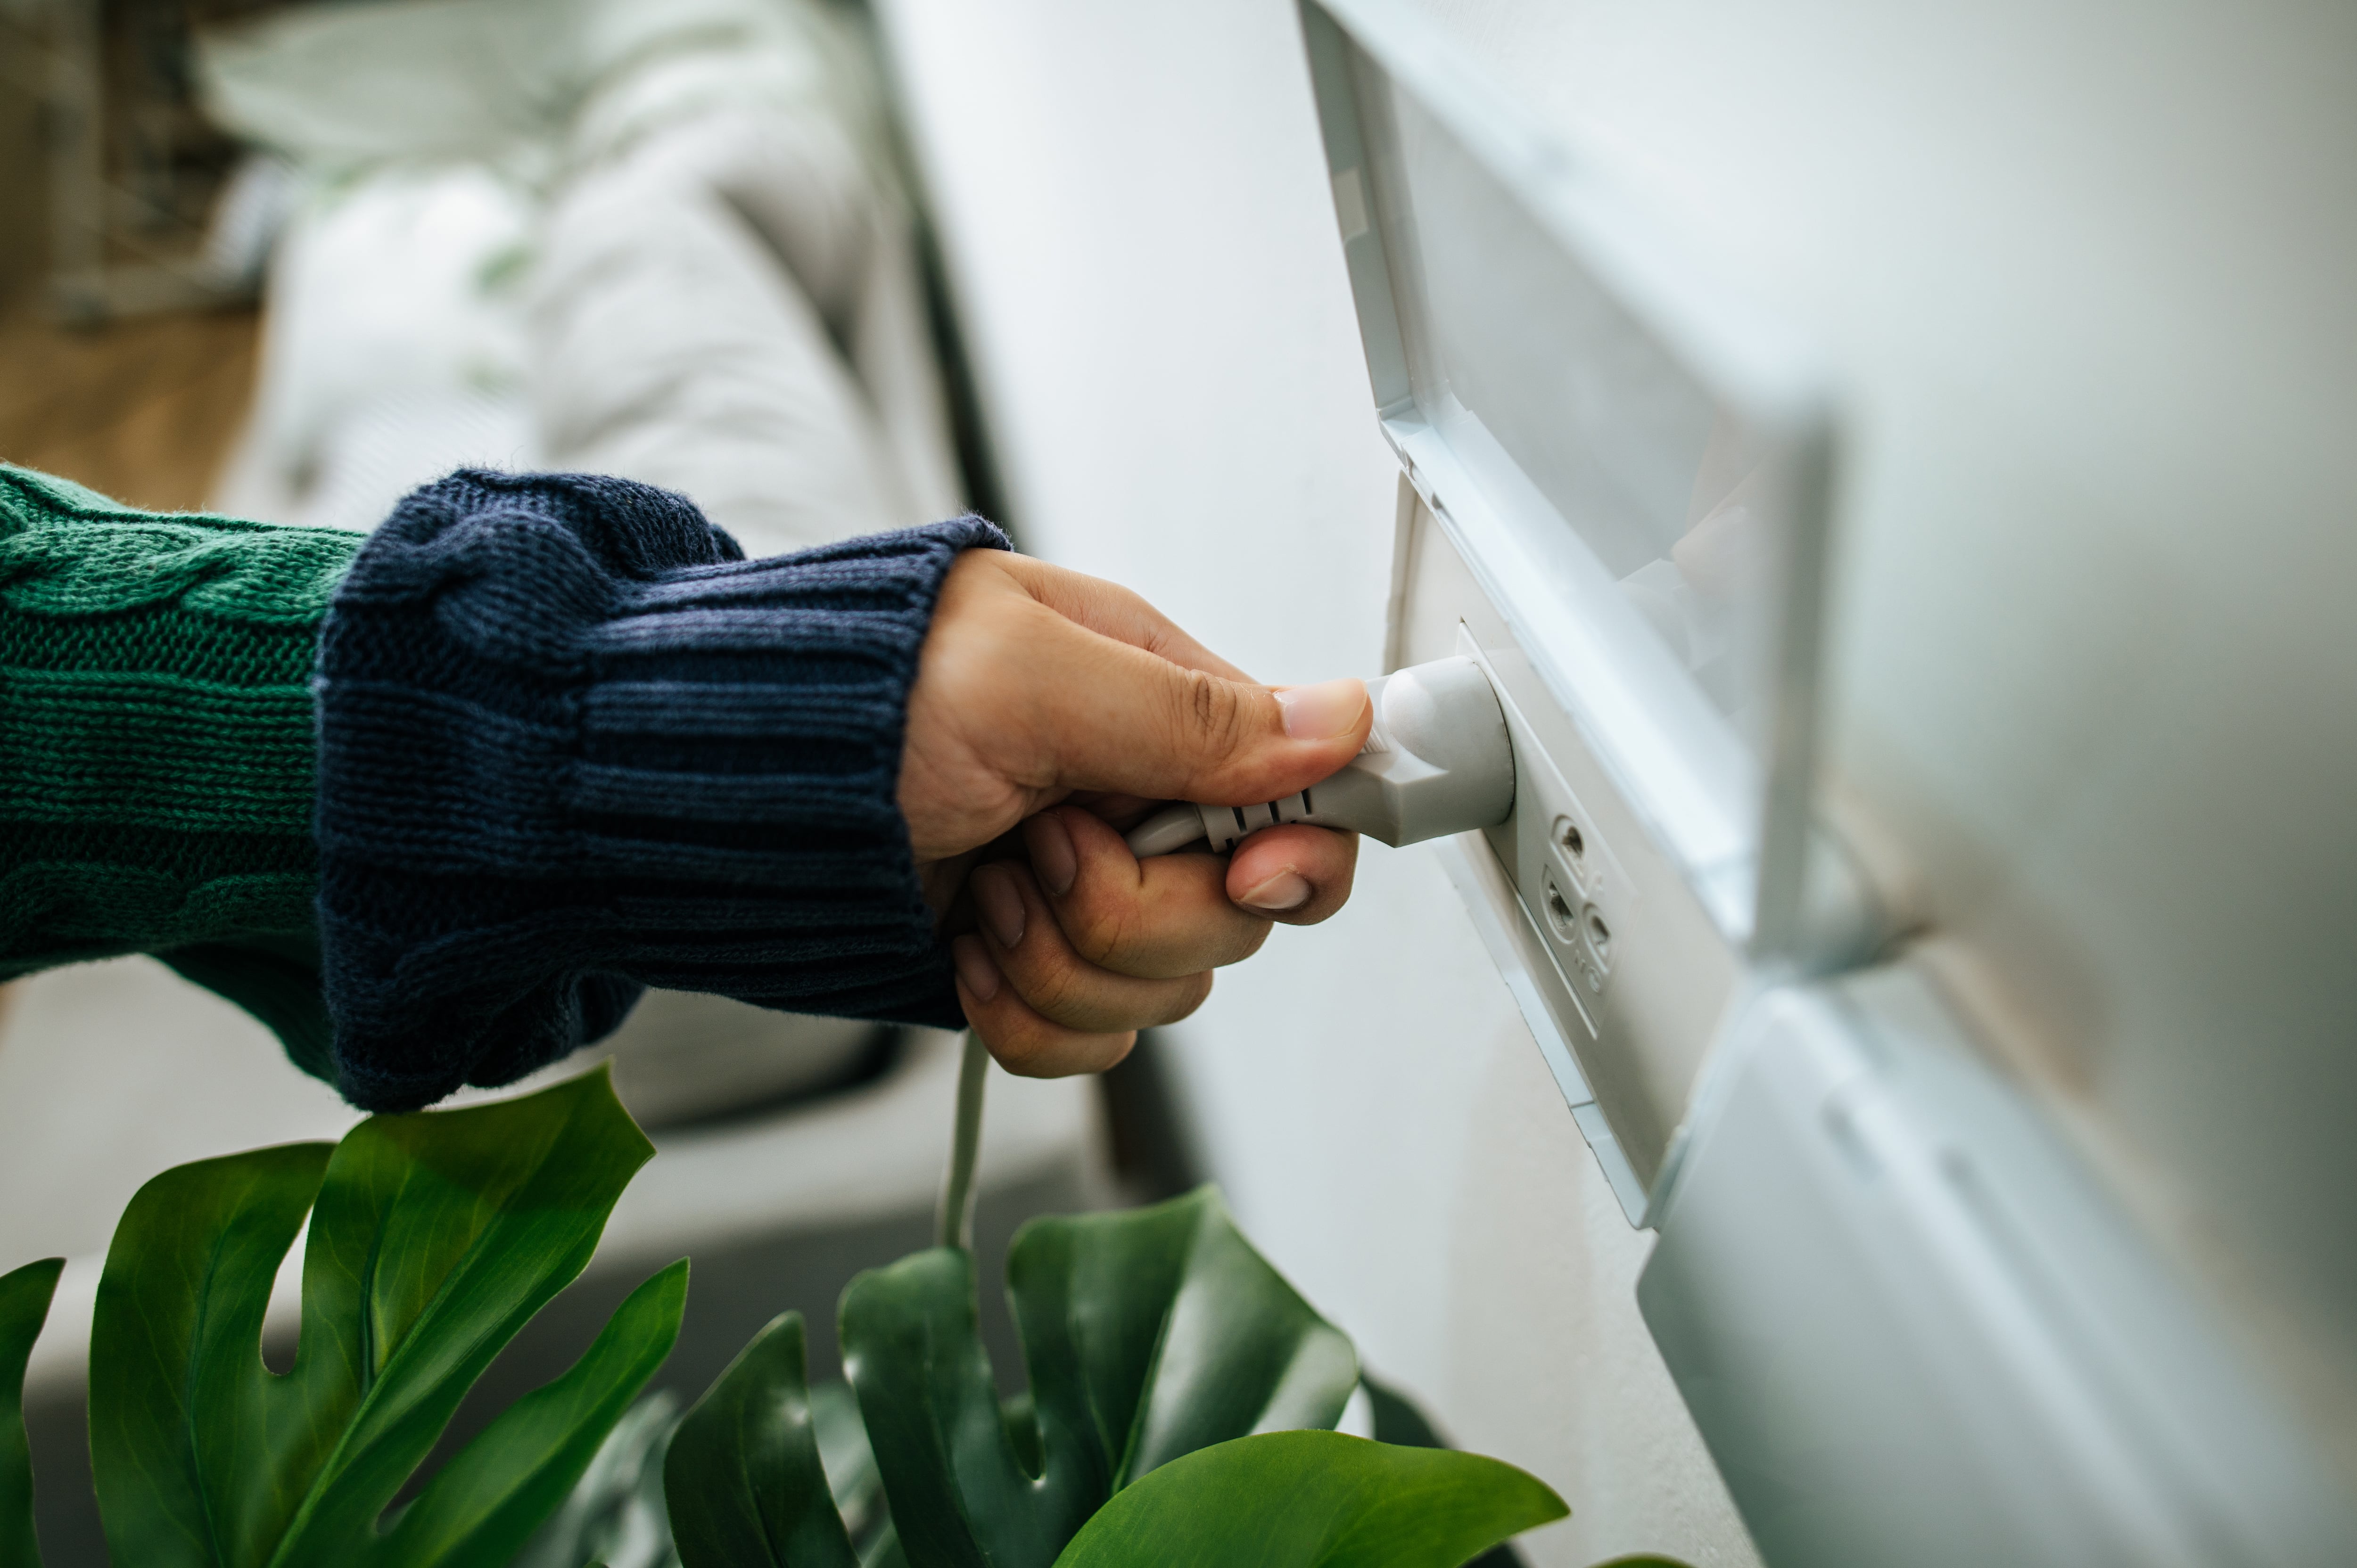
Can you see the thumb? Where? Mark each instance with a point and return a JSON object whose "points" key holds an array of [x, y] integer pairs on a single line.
{"points": [[1134, 723]]}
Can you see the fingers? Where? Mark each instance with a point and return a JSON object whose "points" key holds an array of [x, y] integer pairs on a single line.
{"points": [[1111, 611], [1021, 936], [1161, 918], [1088, 943], [1042, 1009], [1130, 721], [1034, 684], [1295, 876], [1019, 1039], [1175, 914]]}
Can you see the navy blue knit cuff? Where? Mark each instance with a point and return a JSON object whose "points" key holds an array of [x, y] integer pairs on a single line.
{"points": [[572, 745]]}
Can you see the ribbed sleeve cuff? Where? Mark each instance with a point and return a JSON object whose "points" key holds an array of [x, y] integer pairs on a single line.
{"points": [[571, 744]]}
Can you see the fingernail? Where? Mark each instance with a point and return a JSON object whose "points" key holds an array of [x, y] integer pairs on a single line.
{"points": [[1001, 905], [1321, 711], [1052, 856], [1285, 890], [974, 967]]}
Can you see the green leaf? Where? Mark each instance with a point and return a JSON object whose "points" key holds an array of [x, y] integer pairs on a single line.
{"points": [[433, 1238], [1160, 1331], [615, 1512], [744, 1482], [1314, 1499], [885, 1552], [1146, 1334], [175, 1351], [912, 1350], [24, 1307], [851, 1473], [1398, 1421], [487, 1502]]}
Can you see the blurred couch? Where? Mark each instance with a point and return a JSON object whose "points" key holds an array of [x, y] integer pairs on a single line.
{"points": [[668, 241]]}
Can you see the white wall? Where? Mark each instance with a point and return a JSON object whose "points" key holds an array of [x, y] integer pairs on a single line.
{"points": [[1137, 210], [2084, 268], [2087, 271]]}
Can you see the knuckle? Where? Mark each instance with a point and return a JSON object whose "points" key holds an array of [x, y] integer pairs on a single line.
{"points": [[1053, 989], [1155, 933], [1095, 920], [1212, 714]]}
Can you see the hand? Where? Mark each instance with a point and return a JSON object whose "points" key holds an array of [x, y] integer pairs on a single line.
{"points": [[1039, 686]]}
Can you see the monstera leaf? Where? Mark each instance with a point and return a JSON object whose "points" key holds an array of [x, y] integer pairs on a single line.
{"points": [[433, 1238], [614, 1514], [24, 1307], [1314, 1499], [744, 1478], [1146, 1334]]}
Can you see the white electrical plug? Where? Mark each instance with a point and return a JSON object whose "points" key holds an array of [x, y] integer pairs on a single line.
{"points": [[1438, 761]]}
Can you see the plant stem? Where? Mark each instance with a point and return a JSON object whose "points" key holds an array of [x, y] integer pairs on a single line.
{"points": [[955, 1225]]}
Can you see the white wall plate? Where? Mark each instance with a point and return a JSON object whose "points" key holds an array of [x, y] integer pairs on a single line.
{"points": [[1615, 494], [1633, 463], [1913, 1329]]}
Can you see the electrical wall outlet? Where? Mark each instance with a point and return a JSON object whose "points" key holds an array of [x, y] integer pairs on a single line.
{"points": [[1580, 897], [1616, 962], [1617, 479]]}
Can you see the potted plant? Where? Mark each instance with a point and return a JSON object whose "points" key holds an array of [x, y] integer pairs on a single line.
{"points": [[1179, 1410]]}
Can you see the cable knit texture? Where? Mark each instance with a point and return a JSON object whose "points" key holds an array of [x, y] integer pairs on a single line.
{"points": [[571, 744], [155, 780]]}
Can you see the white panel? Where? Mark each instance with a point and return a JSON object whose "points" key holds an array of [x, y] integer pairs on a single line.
{"points": [[1913, 1330], [1632, 460], [2084, 270]]}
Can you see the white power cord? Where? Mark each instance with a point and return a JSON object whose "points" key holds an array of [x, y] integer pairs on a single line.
{"points": [[1438, 761]]}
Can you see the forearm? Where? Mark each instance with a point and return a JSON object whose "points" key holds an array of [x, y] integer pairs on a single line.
{"points": [[571, 744], [537, 743], [155, 779]]}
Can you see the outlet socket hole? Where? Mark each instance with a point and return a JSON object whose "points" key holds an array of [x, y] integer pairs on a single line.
{"points": [[1598, 933], [1567, 834], [1560, 913]]}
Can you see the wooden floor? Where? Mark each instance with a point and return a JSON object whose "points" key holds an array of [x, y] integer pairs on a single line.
{"points": [[143, 411]]}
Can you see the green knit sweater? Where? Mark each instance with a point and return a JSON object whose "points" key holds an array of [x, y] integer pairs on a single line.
{"points": [[155, 737]]}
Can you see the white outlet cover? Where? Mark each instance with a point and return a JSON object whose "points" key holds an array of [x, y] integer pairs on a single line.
{"points": [[1632, 461]]}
